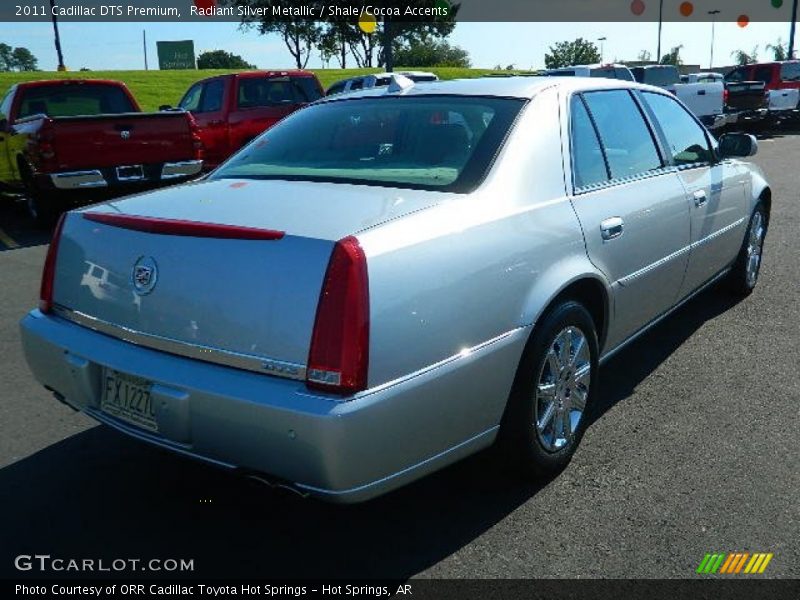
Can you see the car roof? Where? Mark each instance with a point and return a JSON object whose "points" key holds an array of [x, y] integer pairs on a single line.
{"points": [[520, 86]]}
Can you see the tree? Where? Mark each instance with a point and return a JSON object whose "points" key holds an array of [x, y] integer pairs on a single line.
{"points": [[299, 35], [743, 58], [644, 56], [578, 52], [6, 57], [24, 60], [431, 53], [220, 59], [673, 57], [780, 50]]}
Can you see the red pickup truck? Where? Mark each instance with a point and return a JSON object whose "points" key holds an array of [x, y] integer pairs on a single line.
{"points": [[233, 109], [73, 140]]}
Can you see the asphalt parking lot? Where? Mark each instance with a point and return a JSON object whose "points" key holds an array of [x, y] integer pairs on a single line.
{"points": [[694, 449]]}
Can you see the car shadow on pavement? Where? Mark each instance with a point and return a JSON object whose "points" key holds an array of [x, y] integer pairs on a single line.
{"points": [[98, 494]]}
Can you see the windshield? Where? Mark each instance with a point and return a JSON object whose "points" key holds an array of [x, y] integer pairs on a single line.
{"points": [[428, 142], [74, 99]]}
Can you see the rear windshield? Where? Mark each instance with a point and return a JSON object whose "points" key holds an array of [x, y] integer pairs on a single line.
{"points": [[73, 99], [274, 91], [659, 76], [428, 142]]}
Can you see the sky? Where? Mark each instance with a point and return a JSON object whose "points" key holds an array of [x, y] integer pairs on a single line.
{"points": [[111, 46]]}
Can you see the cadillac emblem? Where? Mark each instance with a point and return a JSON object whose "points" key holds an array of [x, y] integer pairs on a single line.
{"points": [[145, 275]]}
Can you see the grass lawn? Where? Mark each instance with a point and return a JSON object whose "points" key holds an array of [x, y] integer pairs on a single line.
{"points": [[154, 88]]}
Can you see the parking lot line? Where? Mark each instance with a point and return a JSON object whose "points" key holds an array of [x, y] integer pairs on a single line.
{"points": [[8, 241]]}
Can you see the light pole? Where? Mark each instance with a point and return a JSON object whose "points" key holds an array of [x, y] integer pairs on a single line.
{"points": [[793, 30], [602, 48], [660, 17], [713, 14], [61, 66]]}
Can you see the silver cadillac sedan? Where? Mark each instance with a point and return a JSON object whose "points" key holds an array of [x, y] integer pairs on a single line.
{"points": [[389, 281]]}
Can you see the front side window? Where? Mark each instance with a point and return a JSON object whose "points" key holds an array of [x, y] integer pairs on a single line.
{"points": [[588, 162], [212, 96], [439, 142], [686, 139], [191, 100], [626, 138]]}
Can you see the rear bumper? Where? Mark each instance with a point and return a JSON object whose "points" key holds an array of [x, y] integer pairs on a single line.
{"points": [[117, 176], [340, 451], [747, 116]]}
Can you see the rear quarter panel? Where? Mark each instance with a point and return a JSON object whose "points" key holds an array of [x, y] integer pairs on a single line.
{"points": [[453, 277]]}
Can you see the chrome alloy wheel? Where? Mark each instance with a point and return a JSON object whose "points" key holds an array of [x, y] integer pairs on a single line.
{"points": [[755, 244], [562, 388]]}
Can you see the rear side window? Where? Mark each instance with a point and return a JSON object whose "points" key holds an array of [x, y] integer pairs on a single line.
{"points": [[626, 138], [588, 163], [624, 74], [336, 88], [686, 139], [790, 71], [74, 99]]}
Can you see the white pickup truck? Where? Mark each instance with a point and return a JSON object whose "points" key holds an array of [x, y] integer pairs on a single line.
{"points": [[704, 97]]}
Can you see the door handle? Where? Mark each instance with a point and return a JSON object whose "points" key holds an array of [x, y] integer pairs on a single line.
{"points": [[701, 93], [700, 198], [611, 228]]}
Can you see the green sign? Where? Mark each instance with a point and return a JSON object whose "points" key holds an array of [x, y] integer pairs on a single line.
{"points": [[176, 55]]}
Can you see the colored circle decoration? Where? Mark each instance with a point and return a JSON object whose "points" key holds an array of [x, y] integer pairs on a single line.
{"points": [[367, 23], [637, 7], [743, 21], [777, 3], [687, 8], [205, 4]]}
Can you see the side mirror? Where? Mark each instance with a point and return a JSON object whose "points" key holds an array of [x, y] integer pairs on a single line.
{"points": [[732, 145]]}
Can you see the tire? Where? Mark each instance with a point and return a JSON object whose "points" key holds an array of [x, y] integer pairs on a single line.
{"points": [[546, 388], [44, 208], [743, 277]]}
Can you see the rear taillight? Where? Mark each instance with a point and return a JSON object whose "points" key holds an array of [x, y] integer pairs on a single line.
{"points": [[198, 149], [45, 147], [49, 271], [725, 95], [339, 354]]}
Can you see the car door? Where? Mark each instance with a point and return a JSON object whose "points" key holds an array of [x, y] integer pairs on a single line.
{"points": [[206, 101], [631, 205], [715, 189]]}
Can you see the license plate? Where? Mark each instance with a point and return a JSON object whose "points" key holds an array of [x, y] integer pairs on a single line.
{"points": [[128, 398], [130, 173]]}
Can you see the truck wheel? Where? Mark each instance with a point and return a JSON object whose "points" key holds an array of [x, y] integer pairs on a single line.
{"points": [[744, 275], [548, 408], [43, 207]]}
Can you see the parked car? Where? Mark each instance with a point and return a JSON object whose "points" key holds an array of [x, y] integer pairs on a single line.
{"points": [[609, 71], [706, 98], [233, 109], [384, 283], [366, 82], [61, 140], [781, 82], [746, 103]]}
